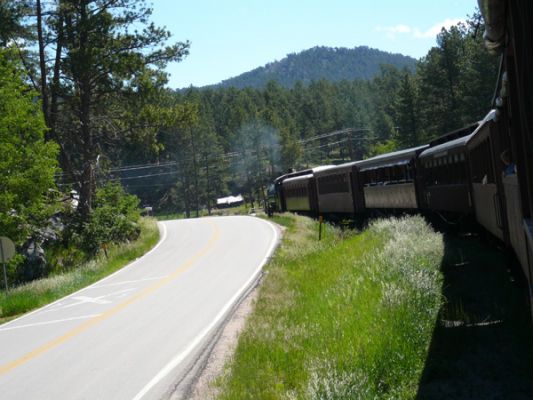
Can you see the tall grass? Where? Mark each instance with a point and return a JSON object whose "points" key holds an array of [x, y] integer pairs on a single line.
{"points": [[43, 291], [346, 318]]}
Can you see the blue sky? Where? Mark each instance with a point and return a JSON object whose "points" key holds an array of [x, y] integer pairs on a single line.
{"points": [[230, 37]]}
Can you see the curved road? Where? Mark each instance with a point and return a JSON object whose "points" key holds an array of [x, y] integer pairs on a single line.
{"points": [[134, 334]]}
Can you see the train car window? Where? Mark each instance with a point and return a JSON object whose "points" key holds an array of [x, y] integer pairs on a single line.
{"points": [[409, 173], [337, 183], [295, 191], [445, 170], [482, 164]]}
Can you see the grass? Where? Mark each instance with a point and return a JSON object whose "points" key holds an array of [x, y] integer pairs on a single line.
{"points": [[345, 318], [44, 291]]}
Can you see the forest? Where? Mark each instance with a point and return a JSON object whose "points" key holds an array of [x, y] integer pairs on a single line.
{"points": [[90, 131]]}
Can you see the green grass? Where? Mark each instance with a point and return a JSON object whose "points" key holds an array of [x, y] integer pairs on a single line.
{"points": [[166, 216], [345, 318], [44, 291]]}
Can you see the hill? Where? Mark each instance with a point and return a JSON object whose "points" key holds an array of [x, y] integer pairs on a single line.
{"points": [[333, 64]]}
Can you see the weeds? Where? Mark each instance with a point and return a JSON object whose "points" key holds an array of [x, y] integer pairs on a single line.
{"points": [[341, 318]]}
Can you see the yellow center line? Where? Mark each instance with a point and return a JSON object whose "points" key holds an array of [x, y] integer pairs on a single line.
{"points": [[119, 307]]}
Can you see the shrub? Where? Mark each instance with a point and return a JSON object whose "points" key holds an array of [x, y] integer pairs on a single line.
{"points": [[114, 219]]}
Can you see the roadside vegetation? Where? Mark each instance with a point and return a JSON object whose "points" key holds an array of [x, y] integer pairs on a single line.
{"points": [[55, 231], [351, 316], [40, 292]]}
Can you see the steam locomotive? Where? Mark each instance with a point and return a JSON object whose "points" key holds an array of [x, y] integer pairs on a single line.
{"points": [[484, 170]]}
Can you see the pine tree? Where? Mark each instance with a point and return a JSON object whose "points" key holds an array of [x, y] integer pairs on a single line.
{"points": [[97, 60]]}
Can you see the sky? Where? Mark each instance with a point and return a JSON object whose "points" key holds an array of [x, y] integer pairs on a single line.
{"points": [[229, 37]]}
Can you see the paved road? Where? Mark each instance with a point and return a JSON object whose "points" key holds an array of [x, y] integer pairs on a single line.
{"points": [[131, 335]]}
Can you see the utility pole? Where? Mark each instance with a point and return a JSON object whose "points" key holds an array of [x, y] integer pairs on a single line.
{"points": [[350, 143]]}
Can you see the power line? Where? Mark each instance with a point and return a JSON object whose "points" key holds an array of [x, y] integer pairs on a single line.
{"points": [[334, 133], [224, 156]]}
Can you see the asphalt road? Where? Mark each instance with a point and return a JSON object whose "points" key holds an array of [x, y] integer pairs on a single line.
{"points": [[132, 335]]}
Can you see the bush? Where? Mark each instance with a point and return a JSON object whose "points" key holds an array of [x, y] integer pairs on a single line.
{"points": [[114, 219]]}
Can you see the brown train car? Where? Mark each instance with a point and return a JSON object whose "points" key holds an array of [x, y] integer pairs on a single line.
{"points": [[445, 177], [299, 190], [508, 33], [486, 177], [338, 190], [297, 193], [388, 180]]}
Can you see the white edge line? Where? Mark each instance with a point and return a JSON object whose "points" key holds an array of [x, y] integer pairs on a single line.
{"points": [[182, 355], [161, 240], [55, 321]]}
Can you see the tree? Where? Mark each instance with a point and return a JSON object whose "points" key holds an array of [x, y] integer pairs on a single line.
{"points": [[11, 16], [456, 79], [27, 162], [406, 111], [212, 164], [98, 60]]}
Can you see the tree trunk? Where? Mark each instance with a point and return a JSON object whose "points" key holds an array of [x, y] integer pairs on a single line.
{"points": [[54, 88], [185, 192], [87, 181], [42, 65], [195, 169], [208, 184]]}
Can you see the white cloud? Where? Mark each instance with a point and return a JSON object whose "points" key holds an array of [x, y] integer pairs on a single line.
{"points": [[392, 31], [415, 32], [435, 29], [400, 28]]}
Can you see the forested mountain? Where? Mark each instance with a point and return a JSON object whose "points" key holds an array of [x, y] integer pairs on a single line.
{"points": [[333, 64]]}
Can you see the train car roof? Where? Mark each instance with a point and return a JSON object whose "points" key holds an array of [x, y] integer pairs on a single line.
{"points": [[338, 167], [491, 116], [494, 14], [461, 132], [461, 141], [322, 168], [400, 157], [443, 148], [302, 172], [298, 178]]}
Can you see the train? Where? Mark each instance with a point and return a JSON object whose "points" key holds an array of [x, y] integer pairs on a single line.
{"points": [[438, 176], [483, 171]]}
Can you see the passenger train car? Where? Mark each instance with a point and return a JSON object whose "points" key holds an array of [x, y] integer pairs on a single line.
{"points": [[389, 180], [484, 170]]}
